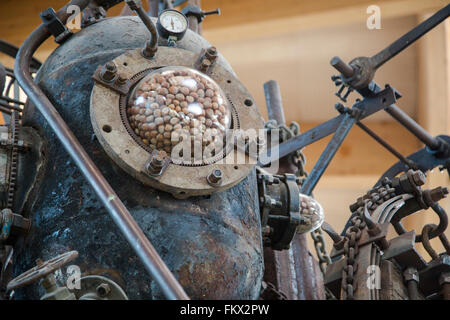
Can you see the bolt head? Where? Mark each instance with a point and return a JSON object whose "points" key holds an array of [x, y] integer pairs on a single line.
{"points": [[419, 177], [122, 78], [110, 66], [215, 177], [212, 51], [103, 290]]}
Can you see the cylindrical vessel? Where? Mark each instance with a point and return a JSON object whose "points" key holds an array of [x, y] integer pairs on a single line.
{"points": [[211, 243]]}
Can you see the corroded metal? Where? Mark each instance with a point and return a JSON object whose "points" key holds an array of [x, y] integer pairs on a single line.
{"points": [[180, 180], [212, 244]]}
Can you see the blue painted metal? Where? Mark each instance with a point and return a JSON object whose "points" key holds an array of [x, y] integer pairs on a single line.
{"points": [[327, 155], [368, 106], [212, 244]]}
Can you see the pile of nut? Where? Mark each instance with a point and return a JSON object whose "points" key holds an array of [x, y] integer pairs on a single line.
{"points": [[173, 104]]}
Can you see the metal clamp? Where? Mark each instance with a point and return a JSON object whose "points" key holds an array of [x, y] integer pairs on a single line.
{"points": [[55, 26]]}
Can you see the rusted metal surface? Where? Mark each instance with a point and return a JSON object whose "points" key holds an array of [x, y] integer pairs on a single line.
{"points": [[294, 272], [392, 285], [114, 206], [212, 244]]}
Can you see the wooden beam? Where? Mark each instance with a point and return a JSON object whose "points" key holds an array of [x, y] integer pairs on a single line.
{"points": [[434, 107], [234, 28]]}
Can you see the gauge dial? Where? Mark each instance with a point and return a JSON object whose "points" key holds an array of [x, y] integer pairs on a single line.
{"points": [[172, 23]]}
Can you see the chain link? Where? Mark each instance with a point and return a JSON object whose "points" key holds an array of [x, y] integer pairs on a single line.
{"points": [[372, 200]]}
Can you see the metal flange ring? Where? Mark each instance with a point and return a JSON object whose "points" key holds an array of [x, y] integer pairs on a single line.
{"points": [[180, 180]]}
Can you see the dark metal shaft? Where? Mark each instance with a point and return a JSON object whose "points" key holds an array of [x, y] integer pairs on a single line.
{"points": [[119, 213], [12, 100], [147, 22], [409, 123], [409, 38], [371, 105], [272, 93], [328, 154], [344, 68], [10, 107], [397, 113], [386, 145]]}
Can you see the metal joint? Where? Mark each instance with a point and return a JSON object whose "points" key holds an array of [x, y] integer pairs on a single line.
{"points": [[55, 26]]}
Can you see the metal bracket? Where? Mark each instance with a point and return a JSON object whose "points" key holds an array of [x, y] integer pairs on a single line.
{"points": [[206, 60], [119, 84], [55, 26]]}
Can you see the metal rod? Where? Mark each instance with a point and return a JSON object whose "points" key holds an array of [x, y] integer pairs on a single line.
{"points": [[409, 38], [10, 107], [12, 100], [399, 115], [274, 104], [137, 7], [119, 213], [344, 68], [5, 110], [328, 154], [368, 106], [387, 146]]}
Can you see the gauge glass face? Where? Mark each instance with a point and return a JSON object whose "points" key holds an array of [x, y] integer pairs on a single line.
{"points": [[173, 21]]}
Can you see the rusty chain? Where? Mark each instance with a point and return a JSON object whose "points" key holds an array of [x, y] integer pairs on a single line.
{"points": [[372, 200]]}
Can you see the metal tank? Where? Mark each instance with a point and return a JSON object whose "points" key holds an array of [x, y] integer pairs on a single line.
{"points": [[212, 243]]}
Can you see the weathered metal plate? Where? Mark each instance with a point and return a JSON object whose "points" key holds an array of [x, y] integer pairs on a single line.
{"points": [[180, 180]]}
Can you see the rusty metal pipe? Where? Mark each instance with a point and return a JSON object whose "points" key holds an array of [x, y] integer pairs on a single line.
{"points": [[274, 103], [345, 69], [136, 6], [119, 213], [399, 115]]}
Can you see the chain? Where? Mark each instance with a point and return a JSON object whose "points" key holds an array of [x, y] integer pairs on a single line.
{"points": [[372, 200]]}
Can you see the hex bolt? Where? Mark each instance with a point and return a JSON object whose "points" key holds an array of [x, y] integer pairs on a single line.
{"points": [[156, 163], [103, 290], [419, 177], [215, 178], [211, 54], [204, 66], [109, 71], [121, 79], [212, 51]]}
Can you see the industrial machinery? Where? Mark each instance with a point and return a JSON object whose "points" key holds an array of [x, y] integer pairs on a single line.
{"points": [[141, 118]]}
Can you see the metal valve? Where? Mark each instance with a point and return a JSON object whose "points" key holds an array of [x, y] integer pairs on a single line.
{"points": [[45, 271], [195, 11]]}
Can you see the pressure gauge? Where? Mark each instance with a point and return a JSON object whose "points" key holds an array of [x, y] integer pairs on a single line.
{"points": [[172, 24]]}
